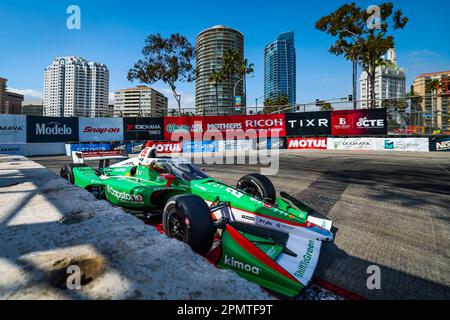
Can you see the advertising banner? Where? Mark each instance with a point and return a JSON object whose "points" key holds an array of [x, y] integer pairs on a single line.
{"points": [[307, 143], [90, 147], [101, 129], [201, 146], [359, 122], [143, 128], [163, 147], [224, 127], [236, 145], [308, 123], [269, 144], [52, 129], [404, 144], [440, 144], [135, 147], [352, 144], [13, 128], [16, 149]]}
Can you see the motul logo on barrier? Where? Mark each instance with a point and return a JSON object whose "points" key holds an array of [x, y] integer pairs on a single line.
{"points": [[54, 129], [264, 123], [101, 130], [167, 147], [307, 143]]}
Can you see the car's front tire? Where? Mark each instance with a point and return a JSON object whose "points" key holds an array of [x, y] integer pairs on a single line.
{"points": [[258, 186], [66, 171], [188, 219]]}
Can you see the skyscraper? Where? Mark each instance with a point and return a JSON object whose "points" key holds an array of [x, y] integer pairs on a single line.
{"points": [[280, 68], [76, 87], [212, 44], [390, 82]]}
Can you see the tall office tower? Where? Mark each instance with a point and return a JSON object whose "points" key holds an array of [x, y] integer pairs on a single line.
{"points": [[76, 87], [280, 68], [390, 83], [217, 98]]}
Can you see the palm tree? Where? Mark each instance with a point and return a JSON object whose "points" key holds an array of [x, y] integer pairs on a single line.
{"points": [[231, 61], [244, 69], [216, 77]]}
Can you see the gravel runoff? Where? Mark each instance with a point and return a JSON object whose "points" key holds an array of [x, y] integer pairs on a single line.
{"points": [[119, 256]]}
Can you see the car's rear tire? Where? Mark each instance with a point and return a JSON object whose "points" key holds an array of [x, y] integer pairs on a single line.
{"points": [[258, 186], [188, 219], [66, 171]]}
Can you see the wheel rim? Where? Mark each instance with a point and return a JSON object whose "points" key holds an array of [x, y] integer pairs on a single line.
{"points": [[65, 175], [251, 190], [177, 227]]}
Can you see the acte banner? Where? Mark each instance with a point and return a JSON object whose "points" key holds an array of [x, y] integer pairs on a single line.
{"points": [[359, 122], [224, 127]]}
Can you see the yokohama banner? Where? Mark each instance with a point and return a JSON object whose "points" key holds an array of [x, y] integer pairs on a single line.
{"points": [[308, 123], [359, 122], [143, 128], [13, 128], [223, 127], [307, 143], [52, 129], [101, 129]]}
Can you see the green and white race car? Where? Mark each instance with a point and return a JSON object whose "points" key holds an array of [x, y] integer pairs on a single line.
{"points": [[272, 241]]}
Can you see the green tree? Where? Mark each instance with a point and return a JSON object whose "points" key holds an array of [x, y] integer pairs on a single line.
{"points": [[356, 41], [277, 104], [326, 106], [165, 59], [216, 77]]}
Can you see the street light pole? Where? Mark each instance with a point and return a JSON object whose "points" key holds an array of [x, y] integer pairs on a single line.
{"points": [[235, 85]]}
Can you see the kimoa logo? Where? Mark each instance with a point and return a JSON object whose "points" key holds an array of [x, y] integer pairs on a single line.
{"points": [[303, 265], [123, 196], [230, 261], [53, 128]]}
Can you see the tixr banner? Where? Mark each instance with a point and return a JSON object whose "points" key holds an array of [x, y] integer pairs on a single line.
{"points": [[223, 127], [359, 122], [308, 123], [143, 128]]}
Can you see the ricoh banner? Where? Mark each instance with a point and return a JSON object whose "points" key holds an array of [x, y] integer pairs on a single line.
{"points": [[308, 124], [101, 129], [13, 129], [224, 127], [359, 122], [379, 144], [52, 129]]}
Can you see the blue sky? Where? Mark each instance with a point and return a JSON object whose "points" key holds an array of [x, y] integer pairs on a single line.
{"points": [[33, 33]]}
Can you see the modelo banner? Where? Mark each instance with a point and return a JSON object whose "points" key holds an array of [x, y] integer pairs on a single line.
{"points": [[224, 127], [359, 122], [52, 129], [440, 144], [308, 123], [101, 129], [13, 129], [143, 128], [307, 143]]}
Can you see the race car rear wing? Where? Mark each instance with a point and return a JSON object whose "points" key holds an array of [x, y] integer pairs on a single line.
{"points": [[103, 156]]}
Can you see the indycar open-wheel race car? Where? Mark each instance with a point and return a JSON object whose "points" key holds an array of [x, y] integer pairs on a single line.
{"points": [[272, 241]]}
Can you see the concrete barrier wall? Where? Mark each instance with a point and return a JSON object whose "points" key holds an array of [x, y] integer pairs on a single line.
{"points": [[48, 225]]}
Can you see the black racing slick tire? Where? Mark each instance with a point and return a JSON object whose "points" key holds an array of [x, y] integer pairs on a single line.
{"points": [[66, 171], [258, 186], [187, 218]]}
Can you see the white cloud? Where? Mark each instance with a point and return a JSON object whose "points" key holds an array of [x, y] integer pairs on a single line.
{"points": [[30, 95]]}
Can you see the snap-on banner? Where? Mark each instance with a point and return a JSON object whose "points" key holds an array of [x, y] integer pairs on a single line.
{"points": [[101, 129], [225, 127], [13, 128], [440, 144], [143, 128], [307, 143], [308, 123], [359, 122], [52, 129]]}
